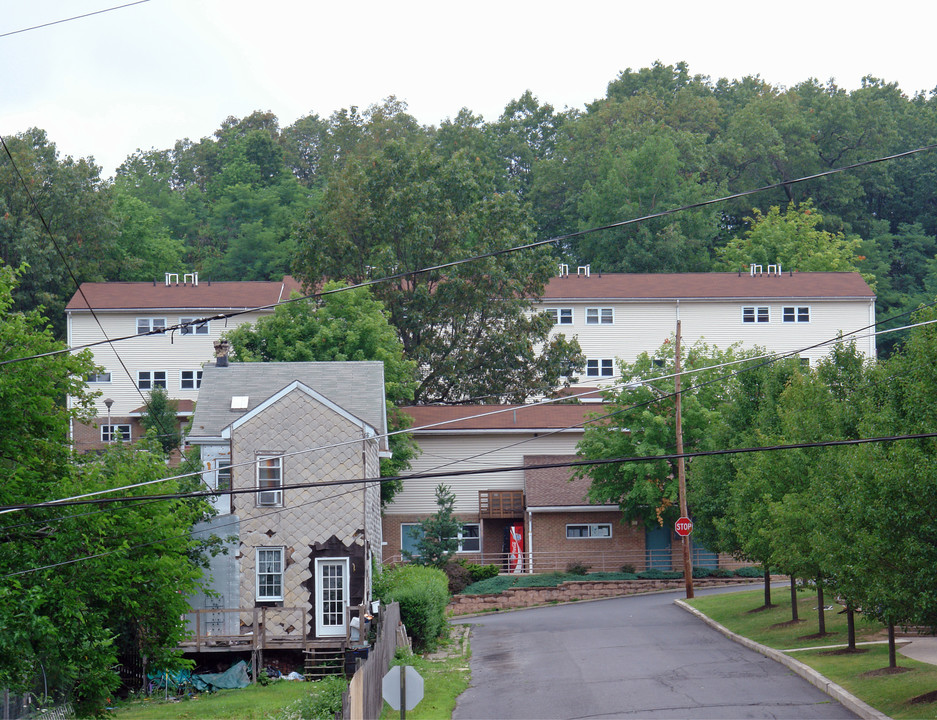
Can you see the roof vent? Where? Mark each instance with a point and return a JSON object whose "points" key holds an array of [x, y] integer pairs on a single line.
{"points": [[583, 270], [564, 270], [239, 402], [170, 280], [775, 269], [190, 278]]}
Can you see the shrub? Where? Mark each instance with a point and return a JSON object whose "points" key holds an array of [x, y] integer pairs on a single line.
{"points": [[702, 572], [481, 572], [325, 700], [722, 573], [754, 571], [577, 568], [459, 577], [660, 575], [423, 593], [628, 568]]}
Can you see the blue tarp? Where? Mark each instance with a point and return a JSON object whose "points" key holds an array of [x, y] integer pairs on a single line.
{"points": [[235, 676]]}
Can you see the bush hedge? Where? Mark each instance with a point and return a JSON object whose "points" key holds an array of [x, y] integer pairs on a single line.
{"points": [[423, 593], [755, 571]]}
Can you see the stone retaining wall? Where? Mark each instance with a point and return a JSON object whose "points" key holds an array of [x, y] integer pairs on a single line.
{"points": [[576, 590]]}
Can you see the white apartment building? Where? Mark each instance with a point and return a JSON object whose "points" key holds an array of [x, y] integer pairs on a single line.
{"points": [[619, 316], [104, 311]]}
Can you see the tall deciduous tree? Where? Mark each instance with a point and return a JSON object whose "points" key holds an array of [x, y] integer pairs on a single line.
{"points": [[76, 586], [639, 420], [403, 207], [346, 325]]}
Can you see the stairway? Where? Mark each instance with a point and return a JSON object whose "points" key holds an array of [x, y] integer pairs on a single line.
{"points": [[321, 662]]}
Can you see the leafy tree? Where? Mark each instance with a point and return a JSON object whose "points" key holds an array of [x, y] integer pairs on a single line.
{"points": [[74, 204], [160, 417], [639, 420], [438, 535], [339, 326], [76, 585], [403, 207], [792, 239], [730, 495]]}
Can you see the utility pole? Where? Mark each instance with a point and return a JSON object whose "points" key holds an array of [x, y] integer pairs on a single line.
{"points": [[681, 464]]}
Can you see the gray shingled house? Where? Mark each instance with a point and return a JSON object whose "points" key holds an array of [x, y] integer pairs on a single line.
{"points": [[298, 556]]}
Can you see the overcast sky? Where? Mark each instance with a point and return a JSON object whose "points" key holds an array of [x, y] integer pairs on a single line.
{"points": [[147, 75]]}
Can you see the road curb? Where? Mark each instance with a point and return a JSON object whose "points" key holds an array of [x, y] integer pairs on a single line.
{"points": [[838, 693]]}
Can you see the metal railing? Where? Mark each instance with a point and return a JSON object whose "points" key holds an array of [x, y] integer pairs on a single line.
{"points": [[594, 560]]}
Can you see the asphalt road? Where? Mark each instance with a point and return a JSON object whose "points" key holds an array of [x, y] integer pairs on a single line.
{"points": [[635, 657]]}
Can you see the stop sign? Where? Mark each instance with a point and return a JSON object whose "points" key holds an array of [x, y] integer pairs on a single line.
{"points": [[684, 526]]}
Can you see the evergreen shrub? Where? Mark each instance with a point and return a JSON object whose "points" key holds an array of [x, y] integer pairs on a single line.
{"points": [[423, 593]]}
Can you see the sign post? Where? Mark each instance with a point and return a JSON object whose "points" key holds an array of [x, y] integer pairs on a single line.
{"points": [[402, 688]]}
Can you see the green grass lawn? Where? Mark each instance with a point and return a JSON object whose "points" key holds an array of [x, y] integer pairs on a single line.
{"points": [[443, 681], [889, 693], [251, 703]]}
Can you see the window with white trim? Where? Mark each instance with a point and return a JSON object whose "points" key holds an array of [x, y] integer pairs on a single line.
{"points": [[600, 367], [149, 379], [756, 314], [115, 433], [600, 316], [796, 314], [190, 379], [561, 315], [588, 530], [147, 324], [270, 480], [199, 329], [269, 573], [101, 377], [469, 539]]}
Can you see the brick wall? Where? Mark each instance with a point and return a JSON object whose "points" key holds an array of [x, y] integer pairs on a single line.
{"points": [[577, 590], [392, 523], [87, 437], [552, 550]]}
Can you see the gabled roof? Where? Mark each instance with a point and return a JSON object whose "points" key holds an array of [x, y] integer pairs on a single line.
{"points": [[461, 418], [708, 286], [355, 387], [157, 295]]}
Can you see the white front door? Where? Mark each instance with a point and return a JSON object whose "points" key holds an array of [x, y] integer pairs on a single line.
{"points": [[331, 596]]}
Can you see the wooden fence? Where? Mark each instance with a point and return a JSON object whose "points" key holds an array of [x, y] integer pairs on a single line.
{"points": [[362, 700]]}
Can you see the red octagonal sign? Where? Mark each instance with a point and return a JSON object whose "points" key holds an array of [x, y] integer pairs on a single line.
{"points": [[684, 526]]}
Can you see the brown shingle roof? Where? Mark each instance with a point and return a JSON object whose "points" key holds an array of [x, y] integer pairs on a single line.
{"points": [[550, 487], [513, 417], [707, 286], [158, 295]]}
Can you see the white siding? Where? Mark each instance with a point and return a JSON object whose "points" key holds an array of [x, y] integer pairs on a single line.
{"points": [[642, 326], [459, 452], [172, 352]]}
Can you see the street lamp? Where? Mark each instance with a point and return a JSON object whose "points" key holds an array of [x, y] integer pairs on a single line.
{"points": [[110, 428]]}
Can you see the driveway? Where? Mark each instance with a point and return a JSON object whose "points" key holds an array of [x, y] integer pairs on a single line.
{"points": [[639, 657]]}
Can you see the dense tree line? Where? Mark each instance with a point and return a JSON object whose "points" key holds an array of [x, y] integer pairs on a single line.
{"points": [[368, 192]]}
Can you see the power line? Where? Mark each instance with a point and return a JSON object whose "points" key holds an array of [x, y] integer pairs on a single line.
{"points": [[483, 256], [71, 274], [488, 471], [70, 19]]}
